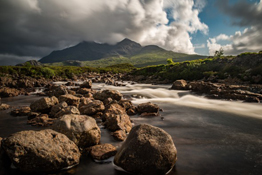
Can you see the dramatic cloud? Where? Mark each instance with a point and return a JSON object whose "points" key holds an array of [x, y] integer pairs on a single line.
{"points": [[243, 14], [34, 28]]}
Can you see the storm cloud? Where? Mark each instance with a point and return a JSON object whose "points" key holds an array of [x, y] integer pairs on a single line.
{"points": [[242, 14], [34, 28]]}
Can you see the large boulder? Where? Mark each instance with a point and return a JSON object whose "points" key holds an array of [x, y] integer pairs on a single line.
{"points": [[92, 108], [67, 110], [41, 151], [9, 92], [57, 91], [148, 108], [179, 85], [147, 150], [70, 99], [44, 104], [116, 118], [105, 94], [81, 129], [86, 84]]}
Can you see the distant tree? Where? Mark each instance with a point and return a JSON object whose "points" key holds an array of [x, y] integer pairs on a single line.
{"points": [[169, 61], [219, 52]]}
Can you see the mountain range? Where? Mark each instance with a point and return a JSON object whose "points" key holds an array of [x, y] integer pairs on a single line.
{"points": [[126, 51]]}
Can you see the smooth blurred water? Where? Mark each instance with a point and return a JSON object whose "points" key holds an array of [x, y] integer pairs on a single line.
{"points": [[212, 136]]}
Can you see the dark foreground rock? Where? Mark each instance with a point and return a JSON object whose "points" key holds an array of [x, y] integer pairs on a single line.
{"points": [[147, 150], [81, 129], [41, 151], [102, 152]]}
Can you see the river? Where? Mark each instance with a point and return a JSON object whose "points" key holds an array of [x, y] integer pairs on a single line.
{"points": [[213, 137]]}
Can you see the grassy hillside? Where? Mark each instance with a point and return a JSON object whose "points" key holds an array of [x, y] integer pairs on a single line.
{"points": [[141, 59]]}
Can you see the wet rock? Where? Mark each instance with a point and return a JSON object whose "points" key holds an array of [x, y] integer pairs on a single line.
{"points": [[84, 101], [131, 111], [102, 152], [70, 99], [44, 105], [148, 114], [41, 120], [57, 91], [127, 104], [56, 108], [102, 95], [67, 110], [71, 92], [4, 106], [119, 135], [148, 108], [84, 91], [92, 108], [86, 84], [179, 85], [81, 129], [147, 150], [70, 83], [41, 151], [24, 111], [9, 92], [116, 118], [32, 115]]}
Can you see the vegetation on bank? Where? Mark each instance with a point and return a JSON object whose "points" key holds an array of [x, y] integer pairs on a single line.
{"points": [[61, 71], [246, 67], [154, 57]]}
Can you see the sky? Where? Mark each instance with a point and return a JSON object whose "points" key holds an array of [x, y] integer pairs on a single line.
{"points": [[32, 29]]}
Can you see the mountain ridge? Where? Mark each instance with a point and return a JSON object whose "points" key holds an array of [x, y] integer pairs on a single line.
{"points": [[125, 51]]}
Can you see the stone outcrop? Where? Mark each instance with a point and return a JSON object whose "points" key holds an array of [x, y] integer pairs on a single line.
{"points": [[119, 135], [81, 129], [147, 150], [71, 100], [86, 84], [4, 106], [116, 118], [44, 104], [102, 152], [105, 94], [9, 92], [56, 108], [92, 107], [148, 109], [179, 85], [41, 151], [67, 110], [23, 111], [57, 91], [41, 120]]}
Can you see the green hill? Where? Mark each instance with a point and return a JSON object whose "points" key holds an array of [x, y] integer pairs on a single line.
{"points": [[101, 55]]}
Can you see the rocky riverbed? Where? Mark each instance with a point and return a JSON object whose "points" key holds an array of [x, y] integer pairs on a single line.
{"points": [[97, 118]]}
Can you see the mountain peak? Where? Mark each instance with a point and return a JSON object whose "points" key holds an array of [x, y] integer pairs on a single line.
{"points": [[127, 41]]}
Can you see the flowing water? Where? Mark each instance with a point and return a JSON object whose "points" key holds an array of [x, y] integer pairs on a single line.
{"points": [[213, 137]]}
